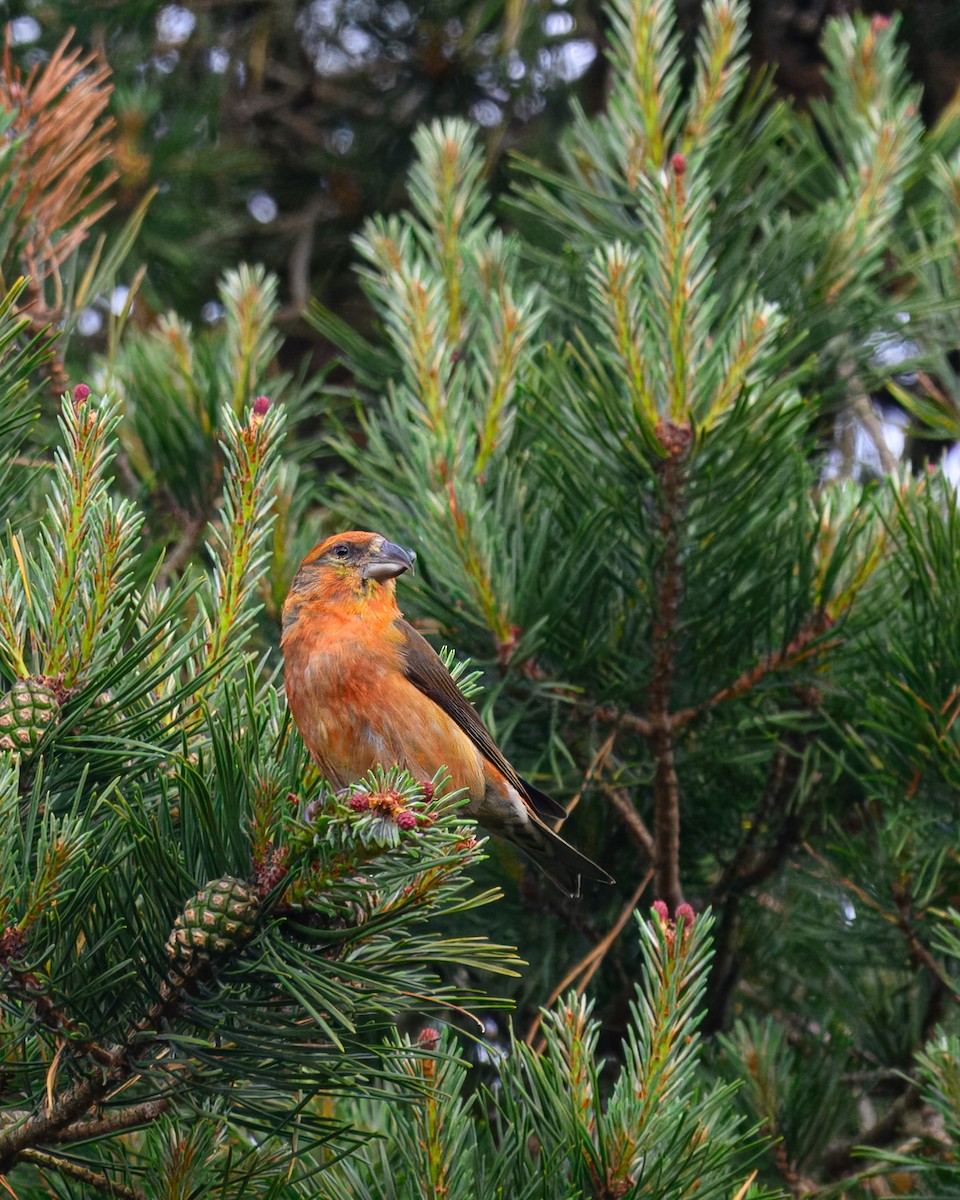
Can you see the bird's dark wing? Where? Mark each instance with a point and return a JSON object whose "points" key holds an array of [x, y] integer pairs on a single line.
{"points": [[425, 670]]}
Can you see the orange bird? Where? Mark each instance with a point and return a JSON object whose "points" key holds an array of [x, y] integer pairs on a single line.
{"points": [[366, 689]]}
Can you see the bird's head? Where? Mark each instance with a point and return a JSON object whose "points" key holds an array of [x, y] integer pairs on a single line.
{"points": [[355, 565]]}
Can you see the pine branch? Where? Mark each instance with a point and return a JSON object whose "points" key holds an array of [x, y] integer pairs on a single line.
{"points": [[251, 342], [68, 598], [90, 1178], [58, 1122], [632, 722], [241, 546], [800, 649], [559, 1123], [634, 824], [62, 135], [668, 586], [116, 1120]]}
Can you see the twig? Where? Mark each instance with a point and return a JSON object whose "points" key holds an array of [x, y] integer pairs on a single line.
{"points": [[609, 714], [771, 798], [549, 900], [301, 251], [635, 825], [792, 654], [864, 412], [796, 651], [587, 967], [35, 464], [95, 1179], [114, 1122], [597, 764], [859, 409], [42, 1127]]}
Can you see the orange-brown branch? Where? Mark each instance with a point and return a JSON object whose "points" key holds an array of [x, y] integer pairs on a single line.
{"points": [[802, 647]]}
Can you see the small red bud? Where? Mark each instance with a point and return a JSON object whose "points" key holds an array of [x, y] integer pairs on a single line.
{"points": [[663, 913], [686, 914], [80, 393], [427, 790], [878, 23], [428, 1038], [261, 406], [406, 821], [359, 802], [679, 164]]}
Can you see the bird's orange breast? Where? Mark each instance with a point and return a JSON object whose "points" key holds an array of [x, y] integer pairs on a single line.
{"points": [[356, 709]]}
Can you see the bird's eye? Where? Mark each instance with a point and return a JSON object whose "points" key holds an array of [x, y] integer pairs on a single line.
{"points": [[340, 550]]}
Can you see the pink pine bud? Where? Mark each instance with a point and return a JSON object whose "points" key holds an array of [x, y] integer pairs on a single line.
{"points": [[685, 914], [427, 790], [359, 802], [428, 1038], [406, 821], [679, 164], [663, 913], [80, 393], [261, 406], [878, 23]]}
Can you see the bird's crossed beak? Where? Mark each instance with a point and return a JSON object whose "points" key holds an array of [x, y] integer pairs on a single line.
{"points": [[389, 561]]}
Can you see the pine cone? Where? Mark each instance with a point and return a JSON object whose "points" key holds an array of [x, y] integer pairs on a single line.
{"points": [[27, 710], [219, 919]]}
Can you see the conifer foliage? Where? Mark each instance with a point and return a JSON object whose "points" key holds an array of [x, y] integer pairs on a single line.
{"points": [[185, 910], [633, 443], [556, 1124], [635, 447]]}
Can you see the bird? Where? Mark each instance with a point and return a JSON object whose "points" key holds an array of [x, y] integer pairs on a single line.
{"points": [[366, 689]]}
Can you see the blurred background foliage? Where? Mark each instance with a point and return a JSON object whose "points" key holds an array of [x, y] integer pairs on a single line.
{"points": [[271, 130]]}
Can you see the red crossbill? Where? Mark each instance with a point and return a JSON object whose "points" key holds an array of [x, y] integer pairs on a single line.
{"points": [[366, 689]]}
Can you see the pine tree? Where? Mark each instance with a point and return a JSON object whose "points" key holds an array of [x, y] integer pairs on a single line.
{"points": [[632, 445]]}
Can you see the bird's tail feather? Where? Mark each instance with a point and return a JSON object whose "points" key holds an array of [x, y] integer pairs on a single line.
{"points": [[557, 859]]}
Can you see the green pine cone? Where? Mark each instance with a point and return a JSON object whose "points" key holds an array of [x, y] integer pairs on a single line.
{"points": [[219, 919], [27, 710]]}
